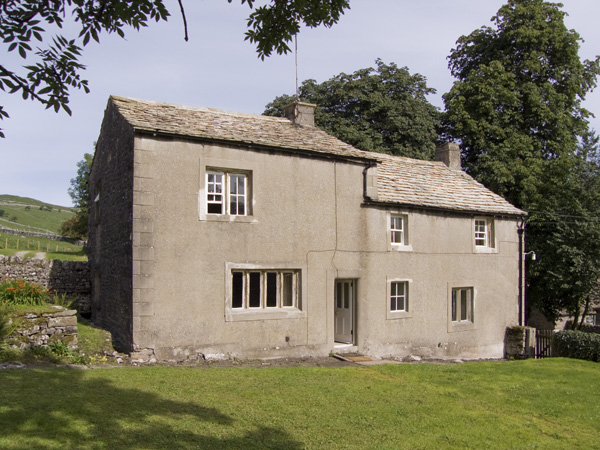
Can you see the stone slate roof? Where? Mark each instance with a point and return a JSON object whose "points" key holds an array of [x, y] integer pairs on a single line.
{"points": [[401, 181]]}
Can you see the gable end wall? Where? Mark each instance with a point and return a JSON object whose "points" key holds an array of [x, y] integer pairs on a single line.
{"points": [[110, 228]]}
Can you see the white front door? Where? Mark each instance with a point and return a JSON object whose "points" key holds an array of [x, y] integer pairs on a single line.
{"points": [[343, 311]]}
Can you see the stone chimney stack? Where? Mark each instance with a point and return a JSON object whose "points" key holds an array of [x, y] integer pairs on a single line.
{"points": [[300, 113], [449, 154]]}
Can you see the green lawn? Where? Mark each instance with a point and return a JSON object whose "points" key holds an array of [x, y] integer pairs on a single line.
{"points": [[534, 404]]}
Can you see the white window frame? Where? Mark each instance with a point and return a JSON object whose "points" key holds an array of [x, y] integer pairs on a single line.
{"points": [[397, 229], [460, 319], [407, 298], [396, 296], [286, 284], [398, 234], [229, 192], [484, 238], [462, 304], [261, 292], [215, 189]]}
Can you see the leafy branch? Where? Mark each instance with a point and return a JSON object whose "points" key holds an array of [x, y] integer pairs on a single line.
{"points": [[56, 69]]}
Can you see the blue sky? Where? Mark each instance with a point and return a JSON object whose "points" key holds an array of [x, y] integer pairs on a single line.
{"points": [[216, 68]]}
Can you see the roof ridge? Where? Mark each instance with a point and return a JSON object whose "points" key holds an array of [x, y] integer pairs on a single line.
{"points": [[197, 108]]}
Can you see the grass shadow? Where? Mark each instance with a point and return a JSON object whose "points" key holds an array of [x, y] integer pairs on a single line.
{"points": [[71, 409]]}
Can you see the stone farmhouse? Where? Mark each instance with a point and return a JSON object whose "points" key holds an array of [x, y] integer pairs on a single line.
{"points": [[219, 234]]}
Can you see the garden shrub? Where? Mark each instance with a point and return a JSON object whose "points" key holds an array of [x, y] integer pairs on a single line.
{"points": [[21, 292], [591, 329], [577, 344]]}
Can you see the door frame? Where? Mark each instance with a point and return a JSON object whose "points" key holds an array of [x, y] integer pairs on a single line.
{"points": [[345, 338]]}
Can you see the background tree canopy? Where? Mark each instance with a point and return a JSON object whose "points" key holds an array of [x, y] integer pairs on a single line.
{"points": [[516, 108], [77, 226], [53, 68], [382, 109], [517, 99]]}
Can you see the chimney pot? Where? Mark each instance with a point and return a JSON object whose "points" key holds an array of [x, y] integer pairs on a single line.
{"points": [[300, 113], [449, 154]]}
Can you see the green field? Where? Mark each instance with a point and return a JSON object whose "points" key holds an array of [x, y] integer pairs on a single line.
{"points": [[32, 215], [10, 244], [534, 404]]}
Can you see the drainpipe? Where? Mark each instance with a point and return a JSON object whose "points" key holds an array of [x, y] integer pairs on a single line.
{"points": [[365, 170], [521, 231]]}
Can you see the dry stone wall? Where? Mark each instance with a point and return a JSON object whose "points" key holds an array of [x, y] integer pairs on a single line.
{"points": [[53, 237], [65, 277], [36, 330], [520, 342]]}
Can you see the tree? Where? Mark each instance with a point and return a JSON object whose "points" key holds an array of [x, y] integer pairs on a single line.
{"points": [[382, 109], [516, 103], [56, 68], [77, 225], [566, 237], [516, 107]]}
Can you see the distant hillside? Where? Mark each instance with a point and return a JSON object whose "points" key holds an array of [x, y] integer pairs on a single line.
{"points": [[28, 214]]}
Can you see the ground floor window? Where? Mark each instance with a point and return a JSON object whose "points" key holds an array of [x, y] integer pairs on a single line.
{"points": [[399, 296], [462, 304], [264, 289]]}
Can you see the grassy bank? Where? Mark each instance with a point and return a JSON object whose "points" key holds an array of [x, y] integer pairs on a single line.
{"points": [[534, 404], [10, 244], [27, 214]]}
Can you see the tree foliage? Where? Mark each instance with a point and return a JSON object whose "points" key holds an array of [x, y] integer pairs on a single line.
{"points": [[517, 100], [53, 66], [565, 233], [382, 109], [76, 226], [516, 107]]}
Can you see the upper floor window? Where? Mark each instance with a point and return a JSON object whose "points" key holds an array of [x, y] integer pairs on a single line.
{"points": [[484, 233], [398, 229], [226, 193]]}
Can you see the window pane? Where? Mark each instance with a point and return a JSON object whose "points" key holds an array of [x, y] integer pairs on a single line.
{"points": [[288, 289], [346, 295], [463, 304], [271, 289], [254, 294], [214, 196], [454, 306], [398, 296], [397, 228], [237, 195], [394, 297], [215, 208], [481, 232], [237, 290], [338, 295]]}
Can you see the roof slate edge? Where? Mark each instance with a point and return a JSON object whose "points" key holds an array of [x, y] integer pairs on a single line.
{"points": [[462, 211]]}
